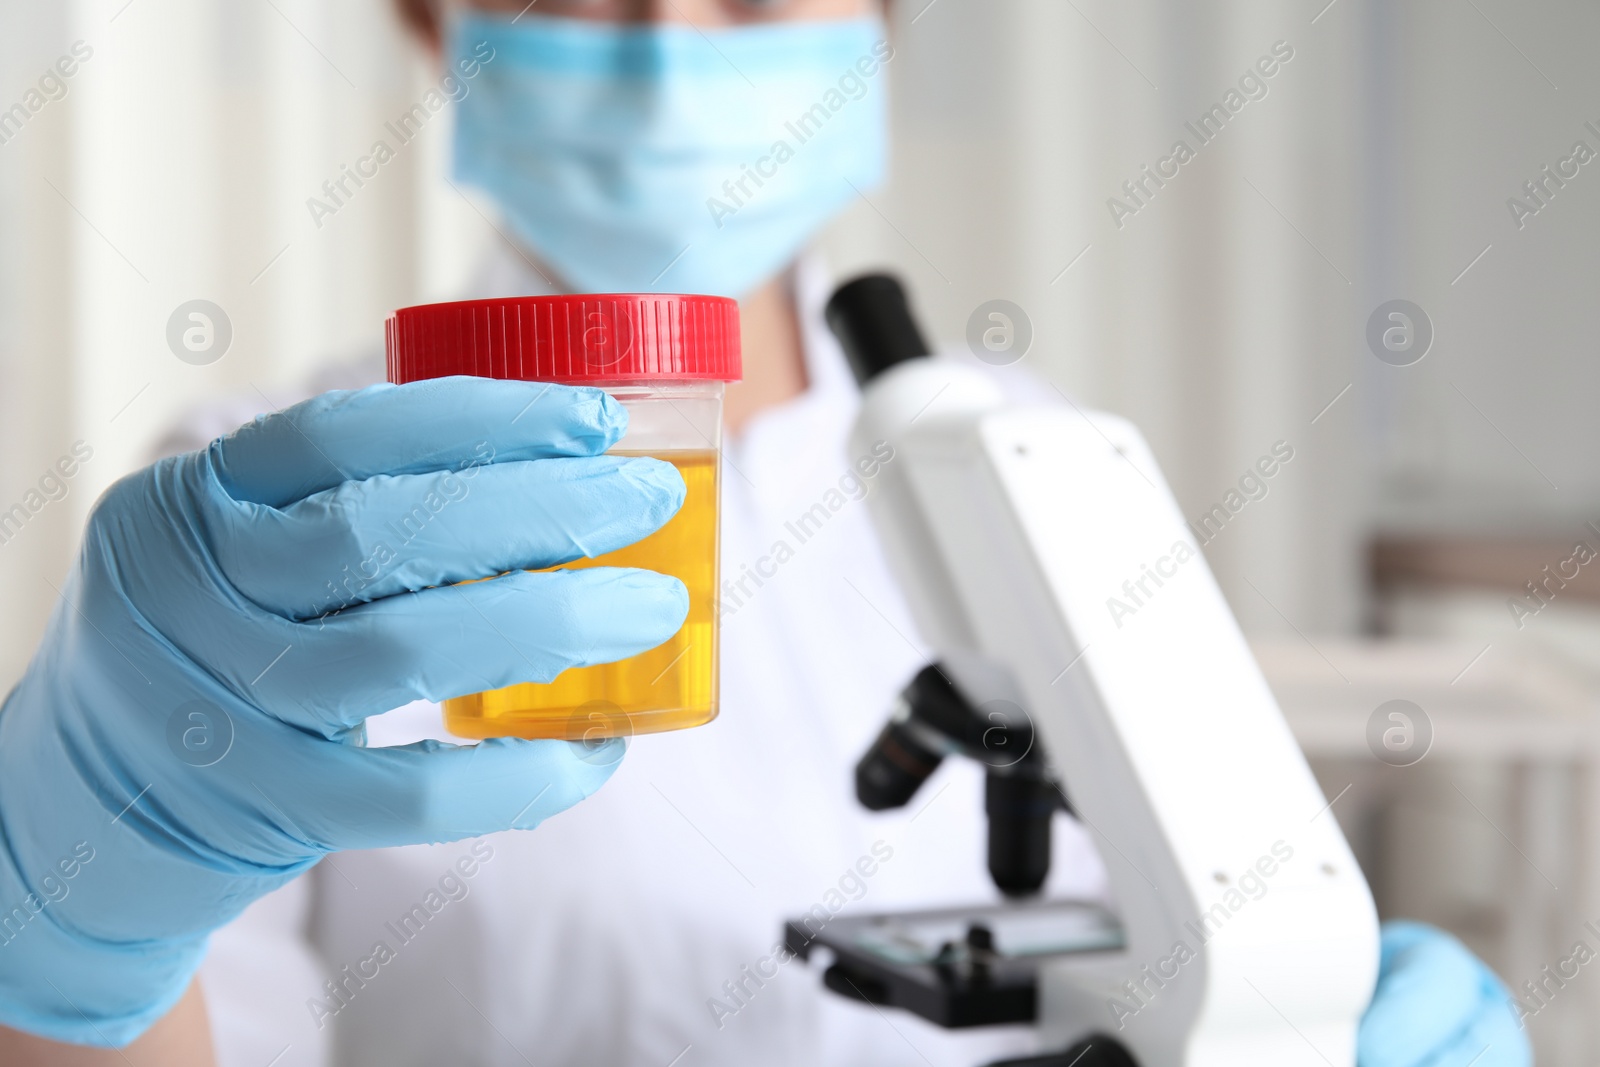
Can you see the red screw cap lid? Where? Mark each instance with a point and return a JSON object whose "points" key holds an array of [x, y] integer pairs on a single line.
{"points": [[593, 338]]}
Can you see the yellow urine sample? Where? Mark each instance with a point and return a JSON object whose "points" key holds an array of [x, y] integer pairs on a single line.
{"points": [[670, 687]]}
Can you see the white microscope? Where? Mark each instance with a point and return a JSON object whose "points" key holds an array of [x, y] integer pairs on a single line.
{"points": [[1085, 651]]}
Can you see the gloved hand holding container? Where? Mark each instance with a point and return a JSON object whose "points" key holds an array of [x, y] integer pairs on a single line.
{"points": [[666, 359]]}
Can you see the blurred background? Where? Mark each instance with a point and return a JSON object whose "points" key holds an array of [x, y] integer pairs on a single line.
{"points": [[1427, 542]]}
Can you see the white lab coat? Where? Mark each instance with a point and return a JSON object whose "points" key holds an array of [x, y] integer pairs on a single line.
{"points": [[618, 933]]}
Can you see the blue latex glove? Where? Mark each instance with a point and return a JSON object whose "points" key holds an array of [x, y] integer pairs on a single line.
{"points": [[1437, 1005], [188, 735]]}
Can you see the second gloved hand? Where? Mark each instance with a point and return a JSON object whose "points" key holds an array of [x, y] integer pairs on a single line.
{"points": [[1437, 1005], [187, 737]]}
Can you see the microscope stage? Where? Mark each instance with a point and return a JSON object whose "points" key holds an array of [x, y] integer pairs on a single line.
{"points": [[956, 967]]}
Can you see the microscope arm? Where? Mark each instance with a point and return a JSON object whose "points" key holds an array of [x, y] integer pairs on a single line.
{"points": [[1043, 543]]}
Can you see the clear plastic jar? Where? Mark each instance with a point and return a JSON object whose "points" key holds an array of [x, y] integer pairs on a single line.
{"points": [[666, 359]]}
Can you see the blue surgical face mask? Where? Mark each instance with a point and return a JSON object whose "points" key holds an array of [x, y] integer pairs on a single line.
{"points": [[664, 158]]}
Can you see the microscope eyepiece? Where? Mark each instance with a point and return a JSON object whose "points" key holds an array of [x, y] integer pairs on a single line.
{"points": [[873, 322]]}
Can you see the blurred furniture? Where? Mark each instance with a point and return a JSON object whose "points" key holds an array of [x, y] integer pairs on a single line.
{"points": [[1494, 833], [1505, 566]]}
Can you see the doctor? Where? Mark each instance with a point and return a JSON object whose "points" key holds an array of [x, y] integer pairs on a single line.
{"points": [[628, 145]]}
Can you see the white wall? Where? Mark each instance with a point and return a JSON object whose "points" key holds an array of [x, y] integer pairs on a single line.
{"points": [[36, 343], [1474, 117], [1206, 317]]}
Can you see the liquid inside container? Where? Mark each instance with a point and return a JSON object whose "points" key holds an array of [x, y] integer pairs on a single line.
{"points": [[673, 685], [666, 358]]}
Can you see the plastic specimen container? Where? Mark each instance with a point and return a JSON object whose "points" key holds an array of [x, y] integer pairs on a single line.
{"points": [[667, 359]]}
